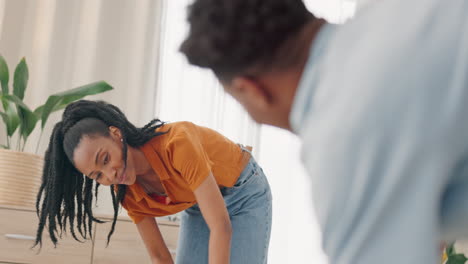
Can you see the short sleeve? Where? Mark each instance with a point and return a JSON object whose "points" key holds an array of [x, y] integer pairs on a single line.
{"points": [[188, 156], [136, 218]]}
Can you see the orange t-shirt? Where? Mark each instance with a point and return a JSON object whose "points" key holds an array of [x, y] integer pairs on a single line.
{"points": [[183, 158]]}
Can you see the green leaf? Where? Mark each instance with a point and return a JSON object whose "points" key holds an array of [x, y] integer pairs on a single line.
{"points": [[20, 79], [450, 249], [3, 146], [38, 111], [28, 122], [456, 259], [27, 118], [4, 75], [15, 99], [60, 100], [10, 117], [6, 120]]}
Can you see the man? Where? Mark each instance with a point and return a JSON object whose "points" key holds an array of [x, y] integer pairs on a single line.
{"points": [[380, 104]]}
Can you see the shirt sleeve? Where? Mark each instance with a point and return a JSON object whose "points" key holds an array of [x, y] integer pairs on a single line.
{"points": [[188, 156], [136, 218]]}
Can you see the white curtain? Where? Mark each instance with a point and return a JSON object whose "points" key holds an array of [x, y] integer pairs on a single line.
{"points": [[71, 43], [334, 11], [190, 93]]}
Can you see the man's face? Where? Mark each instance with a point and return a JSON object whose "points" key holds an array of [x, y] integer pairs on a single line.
{"points": [[258, 101], [253, 110]]}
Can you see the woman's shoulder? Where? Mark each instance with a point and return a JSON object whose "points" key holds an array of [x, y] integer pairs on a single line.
{"points": [[181, 131], [179, 124], [178, 128], [173, 132]]}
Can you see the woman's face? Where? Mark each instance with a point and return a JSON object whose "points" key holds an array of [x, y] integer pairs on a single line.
{"points": [[101, 158]]}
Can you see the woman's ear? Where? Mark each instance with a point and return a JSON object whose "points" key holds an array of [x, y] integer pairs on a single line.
{"points": [[115, 133]]}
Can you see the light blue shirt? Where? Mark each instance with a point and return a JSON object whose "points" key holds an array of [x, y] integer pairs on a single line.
{"points": [[382, 111]]}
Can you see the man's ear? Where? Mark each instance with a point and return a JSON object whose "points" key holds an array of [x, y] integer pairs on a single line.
{"points": [[115, 133], [250, 91]]}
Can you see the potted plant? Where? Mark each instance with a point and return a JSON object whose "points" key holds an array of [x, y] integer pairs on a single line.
{"points": [[20, 172], [454, 253]]}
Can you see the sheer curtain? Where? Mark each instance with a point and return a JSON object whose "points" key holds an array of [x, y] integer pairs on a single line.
{"points": [[334, 11], [71, 43], [190, 93]]}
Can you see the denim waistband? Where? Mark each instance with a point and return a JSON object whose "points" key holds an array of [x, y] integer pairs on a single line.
{"points": [[248, 170], [245, 148]]}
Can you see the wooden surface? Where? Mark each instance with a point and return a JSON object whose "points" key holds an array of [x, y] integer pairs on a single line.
{"points": [[100, 216], [14, 223], [126, 245]]}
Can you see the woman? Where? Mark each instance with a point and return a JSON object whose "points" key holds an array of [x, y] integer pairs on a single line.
{"points": [[160, 169]]}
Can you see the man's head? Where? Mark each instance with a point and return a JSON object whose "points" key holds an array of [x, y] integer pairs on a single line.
{"points": [[256, 48]]}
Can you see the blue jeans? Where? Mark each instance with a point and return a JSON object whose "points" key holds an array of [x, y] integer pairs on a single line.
{"points": [[249, 205]]}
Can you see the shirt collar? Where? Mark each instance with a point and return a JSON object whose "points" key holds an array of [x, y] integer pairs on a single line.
{"points": [[309, 79], [150, 150]]}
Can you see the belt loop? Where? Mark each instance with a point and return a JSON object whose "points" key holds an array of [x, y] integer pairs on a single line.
{"points": [[245, 148]]}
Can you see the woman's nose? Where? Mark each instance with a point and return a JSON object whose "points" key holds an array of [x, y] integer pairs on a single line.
{"points": [[111, 174]]}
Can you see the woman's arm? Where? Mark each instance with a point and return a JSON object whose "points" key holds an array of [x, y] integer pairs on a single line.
{"points": [[215, 213], [151, 236]]}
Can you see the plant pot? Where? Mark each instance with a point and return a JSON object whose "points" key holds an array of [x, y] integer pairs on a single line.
{"points": [[20, 178]]}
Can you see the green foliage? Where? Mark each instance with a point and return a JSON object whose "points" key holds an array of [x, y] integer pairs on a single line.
{"points": [[4, 75], [18, 117], [453, 257]]}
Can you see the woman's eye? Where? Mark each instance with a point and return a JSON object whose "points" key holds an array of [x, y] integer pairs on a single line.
{"points": [[106, 159]]}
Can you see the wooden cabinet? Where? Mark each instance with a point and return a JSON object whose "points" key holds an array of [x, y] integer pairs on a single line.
{"points": [[126, 245], [18, 228], [18, 231]]}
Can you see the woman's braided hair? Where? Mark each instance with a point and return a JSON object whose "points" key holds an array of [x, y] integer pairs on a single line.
{"points": [[65, 194]]}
